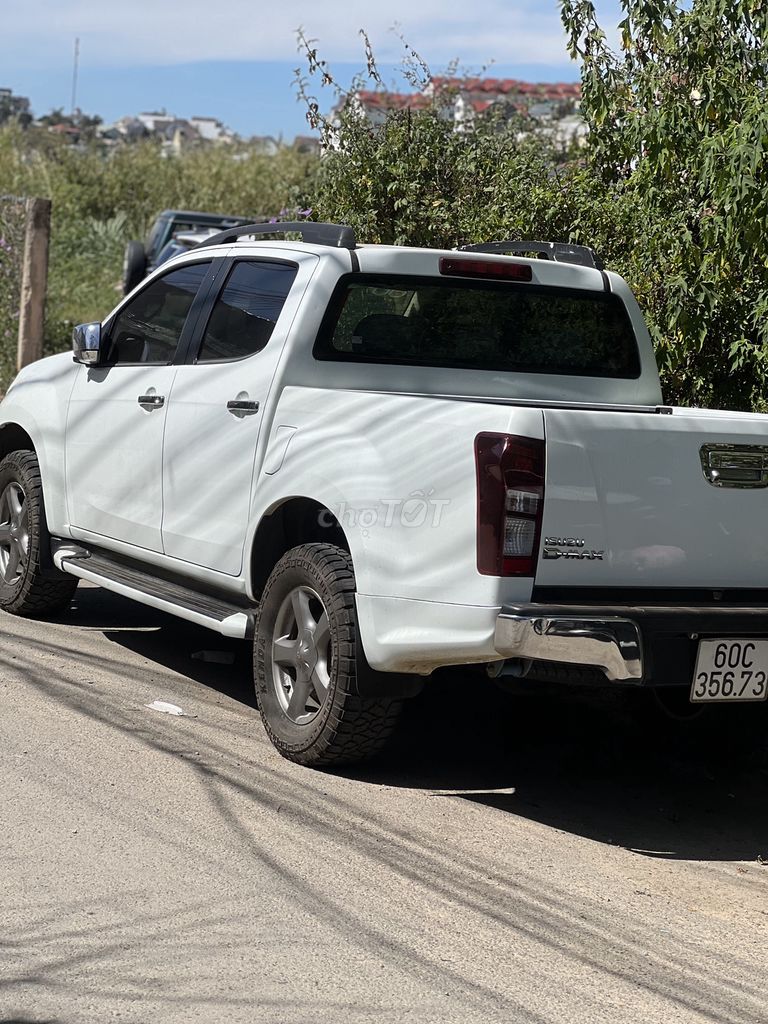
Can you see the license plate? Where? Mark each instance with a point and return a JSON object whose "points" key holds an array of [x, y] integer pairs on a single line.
{"points": [[731, 670]]}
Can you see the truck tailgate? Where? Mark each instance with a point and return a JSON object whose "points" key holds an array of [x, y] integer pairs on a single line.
{"points": [[628, 503]]}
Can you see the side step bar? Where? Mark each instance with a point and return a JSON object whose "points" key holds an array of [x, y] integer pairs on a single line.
{"points": [[213, 612]]}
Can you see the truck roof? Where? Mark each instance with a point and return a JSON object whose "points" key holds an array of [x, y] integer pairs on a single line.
{"points": [[402, 259], [340, 262]]}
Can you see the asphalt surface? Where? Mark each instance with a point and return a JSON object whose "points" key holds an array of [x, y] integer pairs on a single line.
{"points": [[509, 859]]}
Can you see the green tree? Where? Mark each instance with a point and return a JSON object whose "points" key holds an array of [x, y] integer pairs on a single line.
{"points": [[678, 135], [413, 178]]}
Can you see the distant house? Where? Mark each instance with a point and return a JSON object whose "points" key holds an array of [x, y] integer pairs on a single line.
{"points": [[308, 144], [210, 129], [169, 127], [567, 130], [267, 145], [70, 132], [126, 129], [156, 121], [555, 105], [174, 132], [376, 105], [542, 100]]}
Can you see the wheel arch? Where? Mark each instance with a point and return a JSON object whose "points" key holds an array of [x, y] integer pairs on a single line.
{"points": [[300, 520], [15, 438], [293, 521], [23, 433]]}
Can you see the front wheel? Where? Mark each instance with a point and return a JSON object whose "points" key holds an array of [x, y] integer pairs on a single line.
{"points": [[305, 658], [24, 588]]}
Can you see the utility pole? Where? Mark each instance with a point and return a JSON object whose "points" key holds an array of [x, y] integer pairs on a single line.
{"points": [[74, 74]]}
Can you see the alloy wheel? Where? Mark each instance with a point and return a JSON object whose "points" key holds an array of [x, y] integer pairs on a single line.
{"points": [[301, 655], [14, 533]]}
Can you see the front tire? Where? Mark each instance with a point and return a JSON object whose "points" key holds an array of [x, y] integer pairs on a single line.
{"points": [[24, 588], [305, 658]]}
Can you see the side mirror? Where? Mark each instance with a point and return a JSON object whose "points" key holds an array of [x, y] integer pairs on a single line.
{"points": [[86, 344]]}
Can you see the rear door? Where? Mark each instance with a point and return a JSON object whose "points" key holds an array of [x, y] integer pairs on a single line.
{"points": [[630, 500], [217, 406]]}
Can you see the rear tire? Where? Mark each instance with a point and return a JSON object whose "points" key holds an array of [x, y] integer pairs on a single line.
{"points": [[305, 658], [24, 588], [134, 266]]}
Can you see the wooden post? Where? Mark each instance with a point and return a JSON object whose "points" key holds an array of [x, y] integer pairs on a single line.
{"points": [[34, 281]]}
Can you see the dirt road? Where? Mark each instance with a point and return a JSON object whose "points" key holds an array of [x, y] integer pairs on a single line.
{"points": [[503, 862]]}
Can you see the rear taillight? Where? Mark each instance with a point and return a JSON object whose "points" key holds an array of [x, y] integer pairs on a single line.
{"points": [[510, 503]]}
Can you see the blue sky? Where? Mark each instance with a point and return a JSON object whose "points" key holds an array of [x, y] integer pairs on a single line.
{"points": [[234, 59]]}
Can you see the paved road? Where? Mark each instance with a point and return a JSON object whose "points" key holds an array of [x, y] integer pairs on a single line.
{"points": [[501, 864]]}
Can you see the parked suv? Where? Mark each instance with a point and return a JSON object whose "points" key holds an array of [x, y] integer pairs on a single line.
{"points": [[375, 461], [141, 258]]}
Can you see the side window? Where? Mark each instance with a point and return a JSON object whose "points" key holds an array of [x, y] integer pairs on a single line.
{"points": [[148, 329], [246, 312]]}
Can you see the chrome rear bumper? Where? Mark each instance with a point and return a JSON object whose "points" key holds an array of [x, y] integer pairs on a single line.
{"points": [[610, 644]]}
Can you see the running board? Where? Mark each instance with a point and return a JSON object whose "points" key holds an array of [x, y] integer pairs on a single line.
{"points": [[213, 612]]}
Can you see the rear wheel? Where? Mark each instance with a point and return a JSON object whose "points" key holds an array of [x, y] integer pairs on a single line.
{"points": [[134, 266], [24, 588], [305, 658]]}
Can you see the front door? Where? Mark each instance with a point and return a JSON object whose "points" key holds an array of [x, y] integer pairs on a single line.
{"points": [[116, 415]]}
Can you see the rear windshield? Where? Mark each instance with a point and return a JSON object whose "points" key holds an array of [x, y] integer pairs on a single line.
{"points": [[481, 325]]}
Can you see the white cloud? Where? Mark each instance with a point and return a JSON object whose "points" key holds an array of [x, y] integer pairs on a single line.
{"points": [[39, 33]]}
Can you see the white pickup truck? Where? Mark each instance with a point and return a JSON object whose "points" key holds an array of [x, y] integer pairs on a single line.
{"points": [[381, 460]]}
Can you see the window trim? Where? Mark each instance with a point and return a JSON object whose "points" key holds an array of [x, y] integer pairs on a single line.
{"points": [[189, 323], [192, 353], [323, 351]]}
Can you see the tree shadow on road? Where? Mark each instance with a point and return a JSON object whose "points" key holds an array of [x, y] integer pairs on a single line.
{"points": [[598, 765]]}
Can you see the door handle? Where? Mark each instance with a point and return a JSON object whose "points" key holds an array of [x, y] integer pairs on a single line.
{"points": [[152, 401], [247, 408]]}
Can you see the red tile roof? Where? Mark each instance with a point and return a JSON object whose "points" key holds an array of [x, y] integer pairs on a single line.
{"points": [[392, 100], [513, 86], [479, 93]]}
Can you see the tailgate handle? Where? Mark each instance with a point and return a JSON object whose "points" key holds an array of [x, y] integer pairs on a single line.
{"points": [[735, 465]]}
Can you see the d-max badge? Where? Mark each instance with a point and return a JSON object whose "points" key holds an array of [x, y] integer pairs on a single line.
{"points": [[570, 547]]}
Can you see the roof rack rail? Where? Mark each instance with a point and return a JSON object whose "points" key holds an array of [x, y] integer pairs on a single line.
{"points": [[340, 236], [561, 252]]}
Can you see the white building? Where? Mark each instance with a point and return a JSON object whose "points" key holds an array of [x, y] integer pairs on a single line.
{"points": [[211, 129]]}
